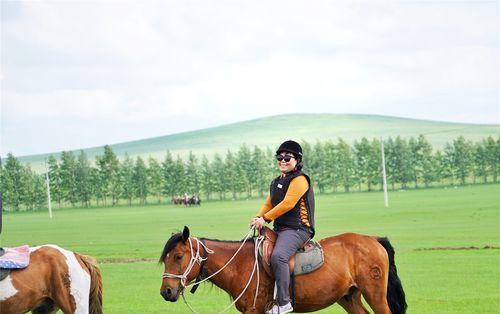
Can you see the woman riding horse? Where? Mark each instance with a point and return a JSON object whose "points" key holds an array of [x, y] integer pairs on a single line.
{"points": [[291, 205], [355, 265]]}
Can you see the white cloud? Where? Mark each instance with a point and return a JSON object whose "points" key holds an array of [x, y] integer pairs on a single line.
{"points": [[177, 66]]}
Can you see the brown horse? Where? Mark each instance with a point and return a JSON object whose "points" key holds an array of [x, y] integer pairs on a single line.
{"points": [[55, 279], [355, 265]]}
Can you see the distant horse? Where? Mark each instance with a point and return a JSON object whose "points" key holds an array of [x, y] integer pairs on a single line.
{"points": [[186, 200], [55, 279], [355, 265], [194, 200]]}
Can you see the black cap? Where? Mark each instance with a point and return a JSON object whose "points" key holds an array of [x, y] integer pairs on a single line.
{"points": [[291, 147]]}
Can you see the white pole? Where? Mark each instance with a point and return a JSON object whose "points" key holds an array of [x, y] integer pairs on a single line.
{"points": [[48, 190], [386, 197]]}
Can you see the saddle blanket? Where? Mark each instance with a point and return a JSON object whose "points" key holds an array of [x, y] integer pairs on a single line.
{"points": [[310, 259], [15, 258]]}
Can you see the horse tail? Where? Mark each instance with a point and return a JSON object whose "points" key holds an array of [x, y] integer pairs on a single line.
{"points": [[95, 297], [395, 294]]}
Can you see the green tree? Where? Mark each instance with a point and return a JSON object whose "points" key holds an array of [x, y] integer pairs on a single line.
{"points": [[346, 164], [140, 180], [492, 156], [113, 165], [109, 167], [155, 178], [2, 182], [448, 169], [68, 177], [179, 177], [439, 169], [430, 168], [83, 179], [40, 191], [317, 166], [332, 165], [374, 169], [480, 162], [306, 160], [126, 174], [402, 170], [13, 187], [231, 173], [427, 163], [245, 167], [206, 178], [168, 175], [220, 177], [34, 195], [259, 164], [462, 158], [55, 180], [362, 152], [96, 184], [496, 159], [192, 176], [414, 156], [391, 161]]}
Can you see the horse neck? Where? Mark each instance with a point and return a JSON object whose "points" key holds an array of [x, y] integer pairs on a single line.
{"points": [[239, 266]]}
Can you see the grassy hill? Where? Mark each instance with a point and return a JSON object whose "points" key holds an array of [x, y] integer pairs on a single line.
{"points": [[270, 131]]}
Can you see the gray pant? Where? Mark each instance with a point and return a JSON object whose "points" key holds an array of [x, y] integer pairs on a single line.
{"points": [[287, 244]]}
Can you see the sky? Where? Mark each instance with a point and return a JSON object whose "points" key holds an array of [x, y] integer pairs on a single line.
{"points": [[78, 74]]}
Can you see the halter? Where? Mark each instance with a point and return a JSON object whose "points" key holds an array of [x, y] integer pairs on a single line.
{"points": [[194, 259]]}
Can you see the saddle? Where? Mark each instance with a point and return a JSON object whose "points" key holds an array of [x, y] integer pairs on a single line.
{"points": [[307, 259], [13, 258]]}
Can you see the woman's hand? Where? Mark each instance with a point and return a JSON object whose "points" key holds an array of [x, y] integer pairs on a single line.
{"points": [[258, 222]]}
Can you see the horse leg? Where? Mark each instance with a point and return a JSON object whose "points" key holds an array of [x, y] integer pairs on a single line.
{"points": [[376, 297], [352, 303], [65, 300], [65, 303]]}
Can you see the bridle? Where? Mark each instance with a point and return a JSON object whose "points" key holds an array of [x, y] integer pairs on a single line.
{"points": [[195, 259]]}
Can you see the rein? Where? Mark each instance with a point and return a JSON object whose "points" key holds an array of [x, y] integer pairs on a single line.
{"points": [[199, 259]]}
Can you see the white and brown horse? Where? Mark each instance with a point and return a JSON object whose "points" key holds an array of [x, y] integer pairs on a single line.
{"points": [[55, 279]]}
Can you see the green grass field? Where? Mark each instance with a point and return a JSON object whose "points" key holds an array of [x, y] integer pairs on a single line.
{"points": [[435, 281]]}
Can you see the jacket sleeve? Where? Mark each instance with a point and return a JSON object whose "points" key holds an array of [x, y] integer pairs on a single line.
{"points": [[267, 207], [298, 187]]}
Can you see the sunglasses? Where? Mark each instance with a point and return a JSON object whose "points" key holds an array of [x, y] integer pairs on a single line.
{"points": [[286, 158]]}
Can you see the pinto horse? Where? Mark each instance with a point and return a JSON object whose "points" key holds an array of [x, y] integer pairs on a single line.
{"points": [[55, 279], [355, 265]]}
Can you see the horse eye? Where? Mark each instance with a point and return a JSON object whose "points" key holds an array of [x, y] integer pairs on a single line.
{"points": [[178, 257]]}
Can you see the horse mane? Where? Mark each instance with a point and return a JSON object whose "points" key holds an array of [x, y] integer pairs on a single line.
{"points": [[171, 243]]}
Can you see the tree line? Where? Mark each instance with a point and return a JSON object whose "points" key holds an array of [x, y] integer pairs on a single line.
{"points": [[410, 163]]}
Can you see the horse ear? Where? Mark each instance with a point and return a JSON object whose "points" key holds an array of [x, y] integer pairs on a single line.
{"points": [[185, 234]]}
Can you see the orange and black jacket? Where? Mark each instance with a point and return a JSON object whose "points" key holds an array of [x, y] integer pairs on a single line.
{"points": [[290, 202]]}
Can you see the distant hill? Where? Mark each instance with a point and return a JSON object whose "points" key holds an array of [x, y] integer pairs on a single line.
{"points": [[270, 131]]}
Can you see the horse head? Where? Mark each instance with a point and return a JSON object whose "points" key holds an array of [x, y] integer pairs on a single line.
{"points": [[182, 260]]}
